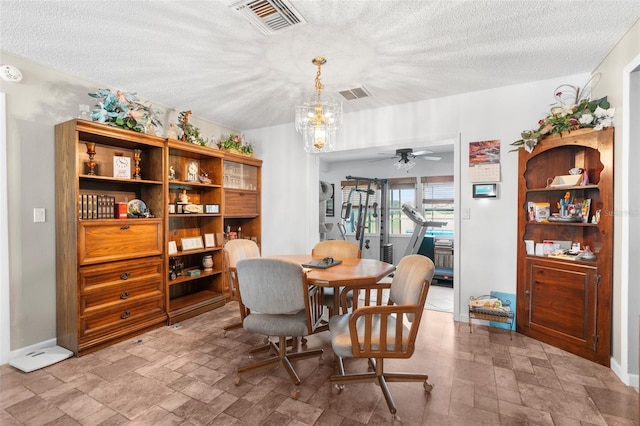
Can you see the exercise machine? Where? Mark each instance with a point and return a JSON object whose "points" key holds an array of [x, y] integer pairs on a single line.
{"points": [[363, 195], [420, 229]]}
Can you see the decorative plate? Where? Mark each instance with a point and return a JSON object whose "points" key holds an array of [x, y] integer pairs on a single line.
{"points": [[136, 208]]}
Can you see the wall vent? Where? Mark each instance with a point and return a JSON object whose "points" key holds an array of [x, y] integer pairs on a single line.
{"points": [[269, 16], [357, 93]]}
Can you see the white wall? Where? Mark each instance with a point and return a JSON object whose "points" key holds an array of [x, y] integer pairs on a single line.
{"points": [[5, 317], [615, 70]]}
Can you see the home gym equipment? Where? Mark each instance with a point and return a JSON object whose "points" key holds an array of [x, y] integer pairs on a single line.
{"points": [[420, 229]]}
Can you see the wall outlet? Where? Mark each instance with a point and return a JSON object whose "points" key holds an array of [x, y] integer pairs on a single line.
{"points": [[466, 213]]}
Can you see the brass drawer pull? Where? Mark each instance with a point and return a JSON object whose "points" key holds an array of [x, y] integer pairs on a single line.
{"points": [[125, 315], [125, 295], [124, 227], [125, 275]]}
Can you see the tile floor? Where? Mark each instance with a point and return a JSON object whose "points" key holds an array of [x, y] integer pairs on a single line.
{"points": [[183, 375]]}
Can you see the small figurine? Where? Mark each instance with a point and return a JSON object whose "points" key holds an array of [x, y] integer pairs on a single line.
{"points": [[563, 205], [183, 198], [204, 177], [172, 173]]}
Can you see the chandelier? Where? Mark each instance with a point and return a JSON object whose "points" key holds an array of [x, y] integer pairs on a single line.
{"points": [[318, 119], [405, 163]]}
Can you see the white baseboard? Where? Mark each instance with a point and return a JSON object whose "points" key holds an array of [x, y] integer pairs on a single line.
{"points": [[627, 379]]}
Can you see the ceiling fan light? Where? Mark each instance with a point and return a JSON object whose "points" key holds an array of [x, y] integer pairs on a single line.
{"points": [[403, 164]]}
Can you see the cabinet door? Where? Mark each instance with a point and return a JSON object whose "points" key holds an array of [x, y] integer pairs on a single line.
{"points": [[562, 302], [117, 240], [241, 203]]}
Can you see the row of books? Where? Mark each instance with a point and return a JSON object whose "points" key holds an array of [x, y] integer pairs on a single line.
{"points": [[95, 206]]}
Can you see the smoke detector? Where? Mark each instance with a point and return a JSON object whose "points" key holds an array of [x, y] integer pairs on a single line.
{"points": [[10, 73]]}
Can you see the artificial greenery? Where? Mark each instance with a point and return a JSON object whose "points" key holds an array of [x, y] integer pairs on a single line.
{"points": [[596, 114], [236, 142], [122, 109], [190, 133]]}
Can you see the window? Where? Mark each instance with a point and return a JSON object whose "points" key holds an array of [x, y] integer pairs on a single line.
{"points": [[437, 202], [401, 191], [357, 197]]}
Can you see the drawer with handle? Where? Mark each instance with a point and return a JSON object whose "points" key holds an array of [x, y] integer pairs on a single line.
{"points": [[112, 240], [122, 318]]}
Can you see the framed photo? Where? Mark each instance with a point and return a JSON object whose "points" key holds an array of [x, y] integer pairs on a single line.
{"points": [[212, 208], [330, 202], [172, 208], [209, 240], [173, 248], [192, 243], [220, 239]]}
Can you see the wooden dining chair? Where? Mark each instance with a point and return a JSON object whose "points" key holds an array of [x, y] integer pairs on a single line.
{"points": [[279, 303], [337, 249], [379, 330], [235, 251]]}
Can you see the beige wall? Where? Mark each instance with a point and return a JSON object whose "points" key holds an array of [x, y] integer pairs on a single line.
{"points": [[44, 98]]}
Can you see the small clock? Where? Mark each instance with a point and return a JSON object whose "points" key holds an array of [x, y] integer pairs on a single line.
{"points": [[121, 167], [192, 171]]}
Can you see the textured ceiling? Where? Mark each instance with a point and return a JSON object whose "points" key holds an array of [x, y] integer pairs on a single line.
{"points": [[204, 56]]}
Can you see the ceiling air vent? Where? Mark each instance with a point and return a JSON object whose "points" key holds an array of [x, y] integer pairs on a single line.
{"points": [[269, 15], [357, 93]]}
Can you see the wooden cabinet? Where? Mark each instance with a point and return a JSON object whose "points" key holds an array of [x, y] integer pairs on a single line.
{"points": [[109, 272], [242, 186], [187, 295], [566, 302], [242, 207], [119, 277]]}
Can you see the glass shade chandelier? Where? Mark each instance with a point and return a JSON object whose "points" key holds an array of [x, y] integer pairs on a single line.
{"points": [[405, 163], [318, 119]]}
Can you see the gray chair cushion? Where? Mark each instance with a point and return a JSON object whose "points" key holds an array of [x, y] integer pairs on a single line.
{"points": [[294, 325], [341, 339]]}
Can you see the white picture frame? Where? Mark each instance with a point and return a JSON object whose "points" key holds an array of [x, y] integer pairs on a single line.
{"points": [[173, 248], [209, 240], [192, 243]]}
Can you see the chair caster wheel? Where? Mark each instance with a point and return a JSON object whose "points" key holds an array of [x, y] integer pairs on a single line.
{"points": [[428, 387], [321, 360], [265, 340], [237, 380], [337, 389], [303, 341], [395, 419], [295, 393]]}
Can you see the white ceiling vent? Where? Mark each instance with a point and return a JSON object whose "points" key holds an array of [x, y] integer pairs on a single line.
{"points": [[357, 93], [269, 15]]}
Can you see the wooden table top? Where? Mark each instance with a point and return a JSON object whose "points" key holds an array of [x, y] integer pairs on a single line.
{"points": [[349, 272]]}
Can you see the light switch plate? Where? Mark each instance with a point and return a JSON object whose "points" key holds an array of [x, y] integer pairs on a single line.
{"points": [[39, 215]]}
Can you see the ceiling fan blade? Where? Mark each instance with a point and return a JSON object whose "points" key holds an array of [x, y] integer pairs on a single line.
{"points": [[422, 152], [430, 158]]}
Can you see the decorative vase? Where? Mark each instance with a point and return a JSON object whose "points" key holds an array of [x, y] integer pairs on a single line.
{"points": [[207, 262]]}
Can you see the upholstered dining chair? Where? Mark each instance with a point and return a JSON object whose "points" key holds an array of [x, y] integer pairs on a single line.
{"points": [[279, 303], [235, 251], [337, 249], [379, 330]]}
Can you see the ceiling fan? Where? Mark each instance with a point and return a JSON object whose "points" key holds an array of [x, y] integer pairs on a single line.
{"points": [[407, 154], [405, 157]]}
